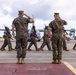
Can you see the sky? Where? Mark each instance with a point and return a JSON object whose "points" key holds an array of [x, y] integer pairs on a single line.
{"points": [[43, 11]]}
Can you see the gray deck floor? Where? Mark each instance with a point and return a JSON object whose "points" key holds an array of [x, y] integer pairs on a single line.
{"points": [[39, 56]]}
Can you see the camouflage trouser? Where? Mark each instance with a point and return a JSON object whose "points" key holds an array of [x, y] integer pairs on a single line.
{"points": [[33, 42], [74, 46], [21, 45], [57, 47], [7, 42], [46, 41], [64, 44]]}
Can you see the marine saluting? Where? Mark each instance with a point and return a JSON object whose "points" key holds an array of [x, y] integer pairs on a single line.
{"points": [[57, 30], [21, 25]]}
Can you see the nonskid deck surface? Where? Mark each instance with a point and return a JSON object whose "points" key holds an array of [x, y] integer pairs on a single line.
{"points": [[37, 62], [34, 69]]}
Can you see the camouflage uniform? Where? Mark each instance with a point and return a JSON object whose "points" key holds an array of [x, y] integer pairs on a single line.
{"points": [[21, 25], [74, 47], [64, 43], [46, 40], [57, 31], [6, 42], [33, 40]]}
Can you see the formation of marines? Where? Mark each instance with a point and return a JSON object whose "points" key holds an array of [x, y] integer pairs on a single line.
{"points": [[52, 33]]}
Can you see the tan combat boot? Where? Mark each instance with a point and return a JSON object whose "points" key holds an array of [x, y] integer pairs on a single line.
{"points": [[54, 62], [59, 62], [2, 49], [18, 61], [29, 49], [40, 49], [22, 61]]}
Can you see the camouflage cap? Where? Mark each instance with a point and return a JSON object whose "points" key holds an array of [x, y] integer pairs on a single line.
{"points": [[56, 13], [21, 11]]}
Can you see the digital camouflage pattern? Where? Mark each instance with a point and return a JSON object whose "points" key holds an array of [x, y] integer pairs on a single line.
{"points": [[33, 40], [57, 31], [46, 39], [64, 43], [6, 42], [21, 25]]}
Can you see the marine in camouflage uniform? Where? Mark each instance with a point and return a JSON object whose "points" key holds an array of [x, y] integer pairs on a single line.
{"points": [[21, 25], [64, 42], [33, 40], [46, 39], [7, 41], [57, 31]]}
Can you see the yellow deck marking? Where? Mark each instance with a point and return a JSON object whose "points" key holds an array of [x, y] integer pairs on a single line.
{"points": [[70, 67]]}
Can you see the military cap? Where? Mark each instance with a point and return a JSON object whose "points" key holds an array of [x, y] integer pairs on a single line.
{"points": [[21, 11], [56, 13]]}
